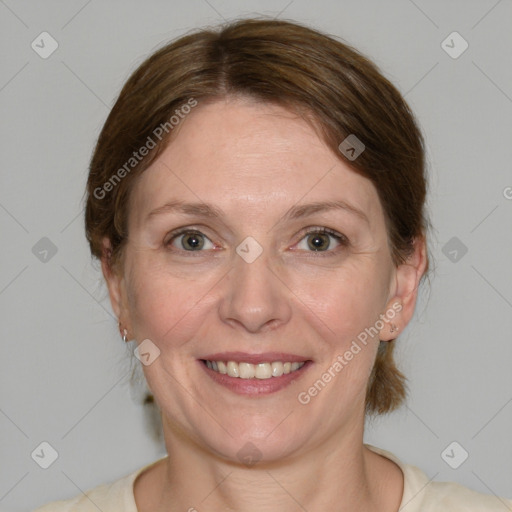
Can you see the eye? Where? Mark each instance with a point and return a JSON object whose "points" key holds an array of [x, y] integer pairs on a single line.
{"points": [[320, 240], [189, 240], [315, 240]]}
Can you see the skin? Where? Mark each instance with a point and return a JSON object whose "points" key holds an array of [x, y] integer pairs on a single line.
{"points": [[254, 162]]}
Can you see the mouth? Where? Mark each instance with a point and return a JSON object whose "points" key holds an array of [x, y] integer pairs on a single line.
{"points": [[254, 374]]}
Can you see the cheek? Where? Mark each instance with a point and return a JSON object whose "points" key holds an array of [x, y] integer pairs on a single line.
{"points": [[344, 309], [163, 306], [345, 301]]}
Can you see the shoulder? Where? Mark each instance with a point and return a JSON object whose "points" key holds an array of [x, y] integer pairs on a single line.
{"points": [[448, 496], [421, 494], [115, 496]]}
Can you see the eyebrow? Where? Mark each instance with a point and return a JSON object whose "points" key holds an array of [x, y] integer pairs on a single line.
{"points": [[295, 212]]}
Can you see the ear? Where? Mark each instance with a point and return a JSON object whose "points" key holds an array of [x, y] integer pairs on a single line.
{"points": [[114, 282], [404, 291]]}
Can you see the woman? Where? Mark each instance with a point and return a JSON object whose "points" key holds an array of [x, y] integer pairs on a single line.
{"points": [[256, 199]]}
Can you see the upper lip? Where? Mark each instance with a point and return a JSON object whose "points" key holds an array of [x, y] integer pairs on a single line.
{"points": [[263, 357]]}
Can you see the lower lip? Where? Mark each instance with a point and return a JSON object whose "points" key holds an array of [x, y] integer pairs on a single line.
{"points": [[255, 386]]}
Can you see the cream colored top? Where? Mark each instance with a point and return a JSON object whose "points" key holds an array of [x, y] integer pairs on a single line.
{"points": [[420, 495]]}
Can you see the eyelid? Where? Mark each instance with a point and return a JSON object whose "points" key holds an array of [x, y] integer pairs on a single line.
{"points": [[328, 231]]}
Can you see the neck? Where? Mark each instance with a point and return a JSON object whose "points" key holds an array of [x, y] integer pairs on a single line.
{"points": [[339, 475]]}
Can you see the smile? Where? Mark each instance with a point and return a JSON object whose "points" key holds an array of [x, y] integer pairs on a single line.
{"points": [[262, 371]]}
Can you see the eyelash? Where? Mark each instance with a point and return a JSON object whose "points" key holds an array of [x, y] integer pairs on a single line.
{"points": [[341, 239]]}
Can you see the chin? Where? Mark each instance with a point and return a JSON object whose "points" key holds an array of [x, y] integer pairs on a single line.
{"points": [[257, 439]]}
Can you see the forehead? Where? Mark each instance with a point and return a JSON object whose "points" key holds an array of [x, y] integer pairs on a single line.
{"points": [[245, 154]]}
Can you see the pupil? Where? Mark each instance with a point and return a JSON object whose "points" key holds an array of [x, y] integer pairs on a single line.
{"points": [[193, 242], [318, 241]]}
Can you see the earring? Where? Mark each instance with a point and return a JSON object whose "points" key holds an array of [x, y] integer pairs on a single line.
{"points": [[124, 333], [393, 328]]}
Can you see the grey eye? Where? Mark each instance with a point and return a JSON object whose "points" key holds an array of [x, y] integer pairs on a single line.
{"points": [[318, 241], [190, 241]]}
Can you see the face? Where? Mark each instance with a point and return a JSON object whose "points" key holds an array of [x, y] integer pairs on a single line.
{"points": [[251, 243]]}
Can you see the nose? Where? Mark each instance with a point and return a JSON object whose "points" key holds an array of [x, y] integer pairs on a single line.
{"points": [[255, 297]]}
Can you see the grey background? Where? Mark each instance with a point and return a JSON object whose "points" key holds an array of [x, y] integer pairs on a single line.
{"points": [[64, 372]]}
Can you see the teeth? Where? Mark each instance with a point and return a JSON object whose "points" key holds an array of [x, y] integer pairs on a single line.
{"points": [[250, 371], [233, 370], [277, 369], [263, 371], [247, 370]]}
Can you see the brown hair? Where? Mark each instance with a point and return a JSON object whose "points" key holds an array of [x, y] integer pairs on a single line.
{"points": [[337, 88]]}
